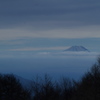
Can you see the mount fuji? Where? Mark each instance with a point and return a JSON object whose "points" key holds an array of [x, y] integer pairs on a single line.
{"points": [[77, 49]]}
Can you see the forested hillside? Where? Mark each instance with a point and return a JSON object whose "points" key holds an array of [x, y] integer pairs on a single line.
{"points": [[87, 88]]}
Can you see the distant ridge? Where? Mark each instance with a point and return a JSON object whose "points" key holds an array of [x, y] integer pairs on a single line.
{"points": [[26, 83], [77, 49]]}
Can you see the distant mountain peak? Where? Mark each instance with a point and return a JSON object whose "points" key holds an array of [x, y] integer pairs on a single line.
{"points": [[77, 49]]}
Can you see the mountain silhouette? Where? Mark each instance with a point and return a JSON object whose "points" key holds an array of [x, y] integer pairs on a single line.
{"points": [[77, 49]]}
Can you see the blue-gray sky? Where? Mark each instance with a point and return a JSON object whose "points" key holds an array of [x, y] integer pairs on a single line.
{"points": [[37, 31], [33, 25]]}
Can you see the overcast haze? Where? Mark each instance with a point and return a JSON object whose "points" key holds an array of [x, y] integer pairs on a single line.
{"points": [[41, 20], [49, 18], [34, 34]]}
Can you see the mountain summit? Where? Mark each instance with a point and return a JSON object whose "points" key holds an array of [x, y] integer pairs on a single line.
{"points": [[77, 49]]}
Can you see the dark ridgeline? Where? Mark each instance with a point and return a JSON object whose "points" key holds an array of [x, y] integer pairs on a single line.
{"points": [[88, 88]]}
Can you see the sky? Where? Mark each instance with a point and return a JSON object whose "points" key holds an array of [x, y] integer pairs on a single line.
{"points": [[49, 25], [35, 32]]}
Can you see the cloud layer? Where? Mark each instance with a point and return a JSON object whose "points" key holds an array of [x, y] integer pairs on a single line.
{"points": [[52, 18], [72, 65]]}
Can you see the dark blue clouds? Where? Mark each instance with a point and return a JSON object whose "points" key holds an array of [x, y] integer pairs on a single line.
{"points": [[34, 10], [49, 18], [47, 44], [33, 29]]}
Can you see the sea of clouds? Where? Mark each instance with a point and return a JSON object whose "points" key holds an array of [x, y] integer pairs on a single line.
{"points": [[55, 64]]}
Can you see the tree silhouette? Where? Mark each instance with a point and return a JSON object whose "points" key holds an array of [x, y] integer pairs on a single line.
{"points": [[67, 88], [89, 86], [45, 89], [11, 89]]}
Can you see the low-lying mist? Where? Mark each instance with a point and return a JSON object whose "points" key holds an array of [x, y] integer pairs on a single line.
{"points": [[72, 65]]}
